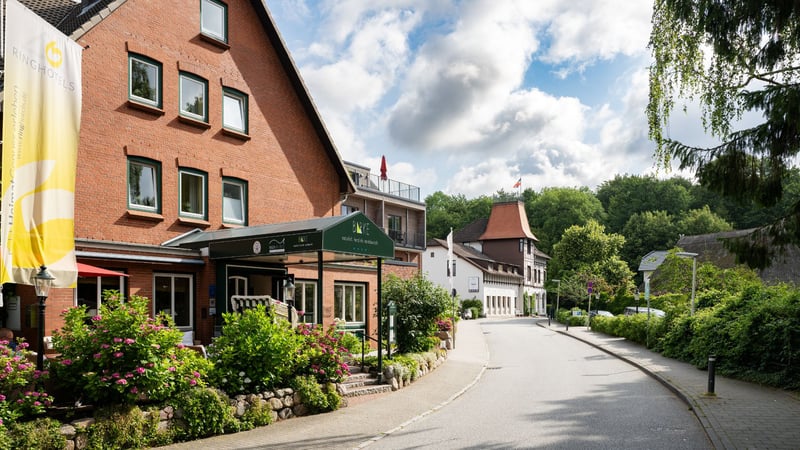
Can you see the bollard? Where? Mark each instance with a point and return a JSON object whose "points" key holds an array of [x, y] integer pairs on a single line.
{"points": [[712, 362], [567, 323]]}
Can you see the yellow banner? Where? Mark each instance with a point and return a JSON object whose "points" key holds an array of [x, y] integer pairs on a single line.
{"points": [[41, 122]]}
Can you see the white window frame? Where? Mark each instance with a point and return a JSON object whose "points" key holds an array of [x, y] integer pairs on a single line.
{"points": [[232, 100], [220, 19], [303, 299], [155, 185], [228, 206], [347, 302], [190, 307], [187, 80], [148, 62]]}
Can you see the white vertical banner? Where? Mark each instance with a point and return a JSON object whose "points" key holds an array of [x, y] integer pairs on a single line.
{"points": [[41, 123], [450, 271]]}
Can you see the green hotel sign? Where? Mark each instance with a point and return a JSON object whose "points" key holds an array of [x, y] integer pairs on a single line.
{"points": [[351, 234]]}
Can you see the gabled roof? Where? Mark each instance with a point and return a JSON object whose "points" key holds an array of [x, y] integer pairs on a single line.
{"points": [[476, 258], [508, 221], [75, 19], [472, 232]]}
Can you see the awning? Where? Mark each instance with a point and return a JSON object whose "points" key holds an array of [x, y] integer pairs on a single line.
{"points": [[86, 270]]}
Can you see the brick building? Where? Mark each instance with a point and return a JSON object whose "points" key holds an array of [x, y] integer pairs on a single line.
{"points": [[204, 170]]}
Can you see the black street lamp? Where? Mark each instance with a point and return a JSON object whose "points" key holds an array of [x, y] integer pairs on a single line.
{"points": [[42, 281], [288, 295]]}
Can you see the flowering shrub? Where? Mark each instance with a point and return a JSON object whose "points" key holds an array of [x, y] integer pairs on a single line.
{"points": [[255, 352], [323, 354], [444, 324], [122, 354], [19, 397]]}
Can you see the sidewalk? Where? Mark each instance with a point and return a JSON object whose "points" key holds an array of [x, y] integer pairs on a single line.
{"points": [[740, 416], [358, 425]]}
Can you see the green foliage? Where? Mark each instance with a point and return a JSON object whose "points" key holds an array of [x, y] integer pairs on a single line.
{"points": [[124, 426], [419, 303], [39, 434], [316, 397], [410, 363], [322, 353], [19, 396], [583, 245], [350, 342], [732, 58], [203, 412], [701, 221], [122, 354], [627, 195], [558, 208], [445, 212], [648, 231], [255, 352], [258, 414], [475, 304]]}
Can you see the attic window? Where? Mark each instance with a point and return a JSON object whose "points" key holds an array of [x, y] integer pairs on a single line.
{"points": [[214, 20]]}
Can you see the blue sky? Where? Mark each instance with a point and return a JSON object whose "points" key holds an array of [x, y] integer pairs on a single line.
{"points": [[467, 96]]}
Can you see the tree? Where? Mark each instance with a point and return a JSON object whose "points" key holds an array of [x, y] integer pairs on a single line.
{"points": [[445, 212], [701, 221], [586, 253], [630, 194], [732, 57], [645, 232], [556, 209]]}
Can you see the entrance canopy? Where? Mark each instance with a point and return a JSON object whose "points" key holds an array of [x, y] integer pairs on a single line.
{"points": [[86, 270], [352, 237]]}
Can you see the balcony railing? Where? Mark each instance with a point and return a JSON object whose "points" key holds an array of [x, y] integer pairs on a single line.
{"points": [[388, 186], [407, 240]]}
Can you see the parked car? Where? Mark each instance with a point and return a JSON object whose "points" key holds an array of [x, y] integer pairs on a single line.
{"points": [[631, 310], [600, 312]]}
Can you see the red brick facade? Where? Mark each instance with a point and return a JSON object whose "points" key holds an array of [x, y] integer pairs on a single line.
{"points": [[285, 158]]}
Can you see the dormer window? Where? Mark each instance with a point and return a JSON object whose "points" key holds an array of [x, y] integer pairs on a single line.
{"points": [[214, 20]]}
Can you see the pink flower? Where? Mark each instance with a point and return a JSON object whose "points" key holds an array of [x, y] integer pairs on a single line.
{"points": [[117, 340], [196, 374], [118, 354], [129, 341], [66, 362], [193, 382], [98, 355], [96, 318], [171, 369], [115, 374], [2, 398], [140, 370], [134, 390], [104, 346], [122, 381]]}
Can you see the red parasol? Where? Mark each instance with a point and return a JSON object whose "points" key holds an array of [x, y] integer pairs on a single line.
{"points": [[383, 168]]}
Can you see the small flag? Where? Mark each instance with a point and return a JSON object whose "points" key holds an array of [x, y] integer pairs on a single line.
{"points": [[518, 183]]}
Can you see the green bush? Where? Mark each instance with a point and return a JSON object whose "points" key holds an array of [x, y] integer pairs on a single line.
{"points": [[203, 412], [255, 352], [122, 426], [475, 304], [122, 354], [419, 304], [38, 434], [258, 414], [316, 397]]}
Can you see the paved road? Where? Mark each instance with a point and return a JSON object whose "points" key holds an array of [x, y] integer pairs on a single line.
{"points": [[545, 390]]}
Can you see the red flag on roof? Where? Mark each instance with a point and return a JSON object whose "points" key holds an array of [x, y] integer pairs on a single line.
{"points": [[518, 183], [383, 168]]}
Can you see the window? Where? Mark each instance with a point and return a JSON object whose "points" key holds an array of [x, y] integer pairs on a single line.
{"points": [[396, 228], [234, 201], [144, 181], [349, 302], [306, 300], [214, 19], [347, 209], [173, 294], [192, 194], [234, 110], [89, 291], [528, 275], [144, 80], [193, 94]]}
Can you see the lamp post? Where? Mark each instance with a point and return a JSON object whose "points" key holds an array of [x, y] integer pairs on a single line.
{"points": [[558, 297], [288, 295], [694, 276], [42, 282], [636, 297]]}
